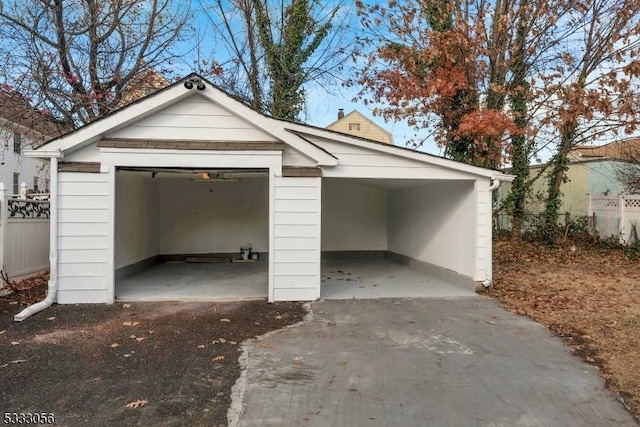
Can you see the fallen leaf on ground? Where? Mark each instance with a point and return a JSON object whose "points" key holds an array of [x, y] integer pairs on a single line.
{"points": [[256, 323], [114, 345], [130, 323], [2, 332], [140, 339], [225, 320], [126, 305], [19, 361], [218, 358], [201, 346], [342, 363], [136, 404], [15, 342], [51, 318], [491, 322], [278, 317], [222, 340], [298, 362], [127, 355], [233, 342]]}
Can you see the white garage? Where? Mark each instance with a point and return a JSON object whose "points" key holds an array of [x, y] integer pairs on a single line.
{"points": [[171, 187]]}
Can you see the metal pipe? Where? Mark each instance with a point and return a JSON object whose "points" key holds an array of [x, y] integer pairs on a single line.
{"points": [[53, 249]]}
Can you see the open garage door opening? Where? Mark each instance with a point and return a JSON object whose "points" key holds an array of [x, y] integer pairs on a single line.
{"points": [[187, 234], [384, 238]]}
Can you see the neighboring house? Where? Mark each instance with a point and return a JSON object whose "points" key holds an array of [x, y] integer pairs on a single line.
{"points": [[23, 128], [143, 84], [357, 124], [591, 170], [146, 182]]}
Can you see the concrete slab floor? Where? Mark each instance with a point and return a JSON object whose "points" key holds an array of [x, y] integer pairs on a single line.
{"points": [[189, 281], [381, 278], [418, 362]]}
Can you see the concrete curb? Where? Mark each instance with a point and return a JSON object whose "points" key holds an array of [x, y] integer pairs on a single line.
{"points": [[238, 390]]}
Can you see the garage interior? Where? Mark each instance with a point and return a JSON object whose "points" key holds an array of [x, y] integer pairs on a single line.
{"points": [[382, 238], [178, 231]]}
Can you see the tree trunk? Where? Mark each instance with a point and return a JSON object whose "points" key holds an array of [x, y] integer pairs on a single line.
{"points": [[556, 177]]}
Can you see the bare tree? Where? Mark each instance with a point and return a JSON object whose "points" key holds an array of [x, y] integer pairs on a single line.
{"points": [[592, 89], [272, 50], [72, 59]]}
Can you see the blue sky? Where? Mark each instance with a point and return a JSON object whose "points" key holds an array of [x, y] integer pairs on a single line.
{"points": [[324, 99]]}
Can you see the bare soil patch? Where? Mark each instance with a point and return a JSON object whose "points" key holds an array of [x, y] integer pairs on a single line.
{"points": [[589, 296], [161, 364]]}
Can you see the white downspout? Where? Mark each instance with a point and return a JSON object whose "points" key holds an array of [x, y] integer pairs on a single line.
{"points": [[53, 248], [488, 283]]}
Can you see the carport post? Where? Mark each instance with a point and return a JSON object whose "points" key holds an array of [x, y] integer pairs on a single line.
{"points": [[272, 228]]}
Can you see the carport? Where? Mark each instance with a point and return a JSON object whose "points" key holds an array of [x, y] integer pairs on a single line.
{"points": [[179, 234], [397, 238]]}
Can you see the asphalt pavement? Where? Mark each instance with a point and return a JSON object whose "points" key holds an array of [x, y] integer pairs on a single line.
{"points": [[418, 362]]}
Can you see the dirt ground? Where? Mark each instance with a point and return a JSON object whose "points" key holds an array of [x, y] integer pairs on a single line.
{"points": [[160, 364], [589, 296]]}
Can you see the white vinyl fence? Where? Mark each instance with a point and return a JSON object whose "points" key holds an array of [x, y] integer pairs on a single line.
{"points": [[24, 233], [616, 216]]}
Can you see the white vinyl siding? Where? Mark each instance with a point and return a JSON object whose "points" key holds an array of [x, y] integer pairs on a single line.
{"points": [[359, 162], [483, 242], [83, 244], [90, 153], [296, 245], [194, 118], [293, 157]]}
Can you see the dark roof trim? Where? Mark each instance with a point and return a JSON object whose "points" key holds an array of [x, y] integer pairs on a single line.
{"points": [[301, 172], [86, 167], [192, 145]]}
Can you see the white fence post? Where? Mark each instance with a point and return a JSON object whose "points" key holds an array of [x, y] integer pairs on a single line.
{"points": [[621, 209], [3, 222], [23, 191]]}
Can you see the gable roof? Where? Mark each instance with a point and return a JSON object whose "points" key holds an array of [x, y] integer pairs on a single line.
{"points": [[16, 110], [290, 132], [406, 152], [626, 150], [144, 107], [358, 117]]}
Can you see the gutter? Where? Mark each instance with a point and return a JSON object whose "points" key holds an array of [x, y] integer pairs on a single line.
{"points": [[53, 248], [495, 183]]}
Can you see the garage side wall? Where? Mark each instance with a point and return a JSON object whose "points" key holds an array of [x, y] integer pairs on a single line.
{"points": [[83, 244], [136, 236], [435, 224], [296, 238]]}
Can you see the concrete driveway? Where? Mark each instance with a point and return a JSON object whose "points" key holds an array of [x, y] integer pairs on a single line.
{"points": [[418, 362]]}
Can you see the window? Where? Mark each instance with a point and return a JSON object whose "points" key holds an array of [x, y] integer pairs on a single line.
{"points": [[354, 126], [17, 142], [16, 183], [35, 184], [46, 185]]}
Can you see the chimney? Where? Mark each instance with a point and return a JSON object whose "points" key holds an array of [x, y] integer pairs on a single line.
{"points": [[340, 113]]}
